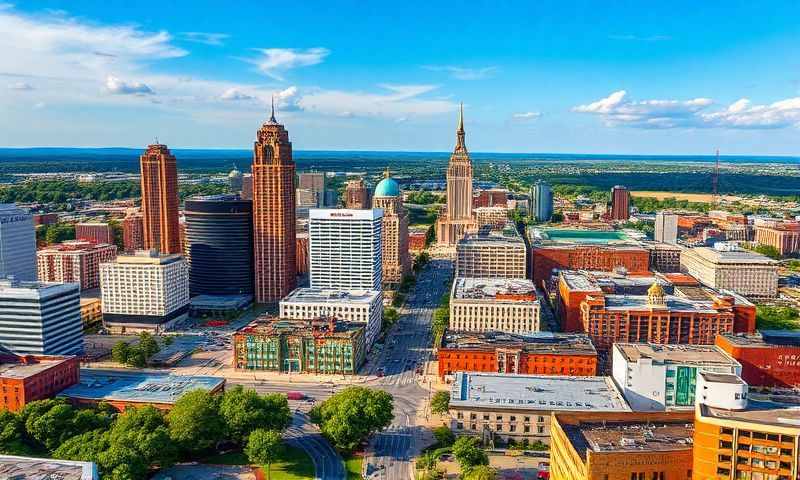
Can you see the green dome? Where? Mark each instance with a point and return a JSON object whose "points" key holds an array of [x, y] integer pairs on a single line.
{"points": [[388, 187]]}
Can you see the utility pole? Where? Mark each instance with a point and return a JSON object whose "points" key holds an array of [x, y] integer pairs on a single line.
{"points": [[715, 181]]}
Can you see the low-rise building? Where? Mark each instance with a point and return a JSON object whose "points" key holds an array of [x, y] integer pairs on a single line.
{"points": [[75, 261], [321, 346], [603, 446], [130, 388], [746, 273], [40, 318], [494, 304], [144, 292], [498, 407], [357, 306], [544, 353], [36, 468], [664, 257], [768, 358], [655, 377], [491, 254], [27, 378], [783, 236]]}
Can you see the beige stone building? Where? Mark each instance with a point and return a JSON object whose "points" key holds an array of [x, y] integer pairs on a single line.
{"points": [[491, 304], [496, 217], [457, 218], [740, 271], [491, 254], [394, 235]]}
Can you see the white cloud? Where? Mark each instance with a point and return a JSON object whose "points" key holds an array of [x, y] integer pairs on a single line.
{"points": [[117, 86], [524, 116], [21, 86], [275, 62], [463, 73], [396, 101], [235, 93], [743, 114], [616, 110], [206, 38]]}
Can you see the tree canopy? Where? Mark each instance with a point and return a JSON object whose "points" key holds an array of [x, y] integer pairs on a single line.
{"points": [[350, 416], [264, 447], [468, 452], [195, 422], [440, 403], [245, 411]]}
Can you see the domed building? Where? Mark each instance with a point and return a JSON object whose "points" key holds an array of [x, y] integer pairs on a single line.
{"points": [[394, 237], [235, 180]]}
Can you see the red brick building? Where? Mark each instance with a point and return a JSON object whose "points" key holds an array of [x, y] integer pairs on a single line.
{"points": [[27, 378], [769, 359], [544, 259], [94, 232], [356, 195], [416, 239], [274, 236], [74, 261], [133, 232], [497, 352], [45, 218], [620, 203], [494, 197], [160, 200]]}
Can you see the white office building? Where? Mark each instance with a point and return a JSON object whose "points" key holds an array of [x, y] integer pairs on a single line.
{"points": [[359, 306], [38, 318], [655, 377], [494, 305], [666, 227], [144, 292], [17, 243], [345, 248]]}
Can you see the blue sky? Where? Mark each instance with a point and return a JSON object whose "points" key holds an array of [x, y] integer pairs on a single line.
{"points": [[678, 77]]}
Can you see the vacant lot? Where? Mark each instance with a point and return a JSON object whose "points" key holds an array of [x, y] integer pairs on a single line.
{"points": [[691, 197]]}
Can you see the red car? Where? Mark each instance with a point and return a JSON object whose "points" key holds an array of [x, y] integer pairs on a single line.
{"points": [[544, 471]]}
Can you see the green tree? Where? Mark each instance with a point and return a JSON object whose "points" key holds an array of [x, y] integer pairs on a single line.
{"points": [[145, 431], [481, 472], [245, 411], [767, 250], [468, 452], [444, 436], [428, 462], [120, 352], [195, 423], [350, 416], [264, 447], [440, 403], [777, 318], [86, 447], [148, 345], [12, 432]]}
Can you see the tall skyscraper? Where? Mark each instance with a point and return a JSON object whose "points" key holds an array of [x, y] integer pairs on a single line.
{"points": [[17, 243], [356, 195], [458, 218], [666, 227], [394, 237], [160, 200], [541, 201], [345, 248], [620, 203], [315, 182], [273, 212]]}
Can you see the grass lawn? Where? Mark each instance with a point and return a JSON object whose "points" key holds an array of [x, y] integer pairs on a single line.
{"points": [[353, 464], [294, 464]]}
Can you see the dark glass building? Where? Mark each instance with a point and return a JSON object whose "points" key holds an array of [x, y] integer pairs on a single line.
{"points": [[219, 245]]}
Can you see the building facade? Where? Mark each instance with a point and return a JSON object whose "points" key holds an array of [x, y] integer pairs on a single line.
{"points": [[768, 358], [17, 243], [315, 182], [75, 261], [301, 253], [160, 200], [494, 217], [492, 254], [27, 378], [621, 446], [133, 232], [219, 245], [354, 306], [457, 219], [494, 304], [320, 346], [666, 228], [497, 352], [144, 292], [541, 202], [40, 318], [745, 273], [356, 195], [95, 232], [664, 257], [345, 248], [275, 265], [655, 377], [620, 203], [235, 180], [394, 233], [783, 236]]}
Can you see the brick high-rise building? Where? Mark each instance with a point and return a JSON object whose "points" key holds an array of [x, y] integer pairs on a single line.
{"points": [[133, 232], [394, 235], [620, 203], [95, 232], [160, 200], [356, 195], [457, 219], [75, 261], [273, 212]]}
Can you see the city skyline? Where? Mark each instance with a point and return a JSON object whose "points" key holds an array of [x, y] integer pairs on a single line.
{"points": [[618, 79]]}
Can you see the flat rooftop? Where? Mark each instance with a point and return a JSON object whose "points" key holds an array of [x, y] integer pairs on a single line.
{"points": [[22, 370], [699, 355], [490, 288], [151, 257], [673, 303], [29, 468], [221, 302], [765, 338], [538, 343], [317, 328], [567, 236], [508, 236], [137, 387], [768, 413], [593, 281], [536, 392], [730, 257], [640, 437], [331, 295], [728, 378]]}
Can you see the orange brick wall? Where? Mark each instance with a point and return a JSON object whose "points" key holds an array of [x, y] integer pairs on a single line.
{"points": [[771, 366], [544, 260], [18, 392], [461, 360]]}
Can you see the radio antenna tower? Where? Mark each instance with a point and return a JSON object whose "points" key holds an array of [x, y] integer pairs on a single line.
{"points": [[715, 180]]}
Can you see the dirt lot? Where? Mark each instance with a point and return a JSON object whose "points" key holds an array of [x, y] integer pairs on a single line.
{"points": [[692, 197]]}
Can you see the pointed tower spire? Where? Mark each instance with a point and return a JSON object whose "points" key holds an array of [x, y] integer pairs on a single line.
{"points": [[386, 173], [461, 145], [272, 113], [461, 118]]}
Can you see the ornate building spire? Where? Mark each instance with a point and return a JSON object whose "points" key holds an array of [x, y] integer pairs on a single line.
{"points": [[272, 111], [461, 145], [386, 173]]}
